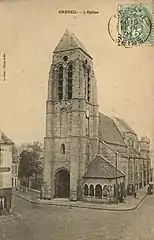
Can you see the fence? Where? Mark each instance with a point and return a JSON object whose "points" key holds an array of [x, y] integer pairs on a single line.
{"points": [[30, 191]]}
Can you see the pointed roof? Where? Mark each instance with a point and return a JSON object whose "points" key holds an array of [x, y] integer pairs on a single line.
{"points": [[69, 42], [108, 131], [4, 139], [100, 167]]}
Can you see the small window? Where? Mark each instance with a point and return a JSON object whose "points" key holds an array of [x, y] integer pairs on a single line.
{"points": [[65, 58], [63, 149]]}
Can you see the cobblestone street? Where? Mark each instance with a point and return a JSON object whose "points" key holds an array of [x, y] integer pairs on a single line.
{"points": [[51, 222]]}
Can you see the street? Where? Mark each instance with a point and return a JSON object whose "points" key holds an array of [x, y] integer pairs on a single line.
{"points": [[60, 223]]}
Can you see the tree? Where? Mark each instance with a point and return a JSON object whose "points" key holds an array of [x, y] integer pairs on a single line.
{"points": [[30, 165], [36, 146]]}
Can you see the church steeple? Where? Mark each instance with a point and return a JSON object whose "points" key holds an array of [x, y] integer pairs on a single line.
{"points": [[71, 116], [70, 42]]}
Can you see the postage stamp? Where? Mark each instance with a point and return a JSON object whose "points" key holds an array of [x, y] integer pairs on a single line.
{"points": [[135, 24]]}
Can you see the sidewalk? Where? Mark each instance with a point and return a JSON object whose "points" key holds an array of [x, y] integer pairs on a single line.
{"points": [[8, 218], [130, 203]]}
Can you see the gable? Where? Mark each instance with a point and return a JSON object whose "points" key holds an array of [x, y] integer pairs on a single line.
{"points": [[101, 168]]}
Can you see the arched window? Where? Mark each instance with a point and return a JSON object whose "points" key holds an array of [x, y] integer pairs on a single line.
{"points": [[63, 149], [98, 191], [60, 83], [87, 82], [69, 81], [63, 122], [91, 190], [86, 190], [87, 156], [88, 85], [105, 188]]}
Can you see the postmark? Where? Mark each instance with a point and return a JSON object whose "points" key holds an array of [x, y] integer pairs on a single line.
{"points": [[134, 24]]}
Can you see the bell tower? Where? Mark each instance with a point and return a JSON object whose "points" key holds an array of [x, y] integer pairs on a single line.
{"points": [[72, 119]]}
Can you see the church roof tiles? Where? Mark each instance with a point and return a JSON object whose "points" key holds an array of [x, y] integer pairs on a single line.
{"points": [[108, 131], [112, 131], [100, 167]]}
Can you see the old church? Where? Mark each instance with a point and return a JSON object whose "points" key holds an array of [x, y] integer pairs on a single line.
{"points": [[86, 154]]}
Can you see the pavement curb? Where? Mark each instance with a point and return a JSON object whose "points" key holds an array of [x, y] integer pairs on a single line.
{"points": [[140, 202], [79, 206]]}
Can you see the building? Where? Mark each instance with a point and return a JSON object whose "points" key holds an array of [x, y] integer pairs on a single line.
{"points": [[15, 167], [87, 155], [5, 173]]}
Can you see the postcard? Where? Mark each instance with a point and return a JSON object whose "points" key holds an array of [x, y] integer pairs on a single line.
{"points": [[77, 120]]}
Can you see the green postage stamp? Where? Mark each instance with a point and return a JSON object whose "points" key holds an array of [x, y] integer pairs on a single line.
{"points": [[135, 24]]}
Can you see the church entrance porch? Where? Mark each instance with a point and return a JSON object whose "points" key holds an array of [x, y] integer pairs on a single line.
{"points": [[62, 184]]}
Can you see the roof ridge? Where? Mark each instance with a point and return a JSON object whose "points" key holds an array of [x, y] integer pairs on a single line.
{"points": [[119, 131], [126, 125]]}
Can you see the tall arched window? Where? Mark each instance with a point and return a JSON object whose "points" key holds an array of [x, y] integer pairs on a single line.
{"points": [[98, 191], [63, 149], [60, 83], [105, 191], [88, 85], [91, 190], [85, 190], [87, 156], [87, 82], [69, 81]]}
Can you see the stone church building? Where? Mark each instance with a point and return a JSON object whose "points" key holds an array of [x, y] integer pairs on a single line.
{"points": [[87, 155]]}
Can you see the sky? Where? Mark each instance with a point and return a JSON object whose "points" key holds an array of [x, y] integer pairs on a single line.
{"points": [[30, 31]]}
